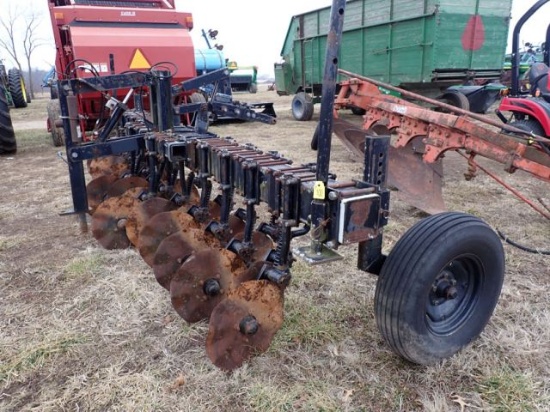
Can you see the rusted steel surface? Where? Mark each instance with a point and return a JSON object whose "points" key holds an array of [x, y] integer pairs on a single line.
{"points": [[204, 280], [175, 249], [110, 165], [142, 212], [109, 222], [96, 190], [122, 185], [160, 227], [443, 131], [244, 324], [419, 183]]}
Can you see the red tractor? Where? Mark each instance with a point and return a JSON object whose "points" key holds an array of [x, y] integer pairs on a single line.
{"points": [[95, 38], [530, 111]]}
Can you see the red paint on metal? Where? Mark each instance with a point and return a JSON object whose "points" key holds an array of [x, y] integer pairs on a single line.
{"points": [[473, 37]]}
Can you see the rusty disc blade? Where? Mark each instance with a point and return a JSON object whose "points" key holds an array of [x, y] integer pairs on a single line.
{"points": [[177, 247], [142, 213], [109, 165], [96, 190], [261, 243], [194, 196], [122, 185], [418, 183], [244, 324], [109, 221], [160, 227], [202, 281]]}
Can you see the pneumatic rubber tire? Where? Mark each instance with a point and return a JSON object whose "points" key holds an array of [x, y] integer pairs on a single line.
{"points": [[302, 107], [415, 309], [17, 88], [456, 98], [54, 113], [8, 144]]}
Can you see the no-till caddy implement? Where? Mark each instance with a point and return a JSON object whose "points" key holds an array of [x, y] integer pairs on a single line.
{"points": [[188, 201]]}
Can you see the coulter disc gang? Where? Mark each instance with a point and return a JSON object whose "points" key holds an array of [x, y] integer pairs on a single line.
{"points": [[244, 323]]}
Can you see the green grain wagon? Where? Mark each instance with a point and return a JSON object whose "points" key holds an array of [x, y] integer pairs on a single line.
{"points": [[420, 45]]}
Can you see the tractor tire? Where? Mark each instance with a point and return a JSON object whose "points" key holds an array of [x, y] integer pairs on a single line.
{"points": [[54, 113], [439, 286], [253, 88], [302, 107], [8, 145], [529, 125], [533, 126], [17, 88], [455, 98]]}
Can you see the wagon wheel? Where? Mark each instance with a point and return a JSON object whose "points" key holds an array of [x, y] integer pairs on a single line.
{"points": [[302, 107], [455, 98], [439, 287], [244, 324]]}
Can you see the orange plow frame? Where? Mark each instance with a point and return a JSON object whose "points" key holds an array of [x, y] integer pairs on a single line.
{"points": [[442, 132]]}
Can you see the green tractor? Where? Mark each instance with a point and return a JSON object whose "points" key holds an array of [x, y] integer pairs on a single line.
{"points": [[12, 93]]}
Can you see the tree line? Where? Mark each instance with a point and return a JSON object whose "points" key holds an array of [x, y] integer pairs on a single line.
{"points": [[19, 39]]}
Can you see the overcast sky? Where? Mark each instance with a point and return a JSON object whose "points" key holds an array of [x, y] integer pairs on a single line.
{"points": [[252, 31]]}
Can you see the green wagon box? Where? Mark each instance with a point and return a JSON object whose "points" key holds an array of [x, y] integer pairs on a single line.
{"points": [[423, 46]]}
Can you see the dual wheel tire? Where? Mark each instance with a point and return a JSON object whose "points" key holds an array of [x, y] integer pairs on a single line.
{"points": [[439, 286]]}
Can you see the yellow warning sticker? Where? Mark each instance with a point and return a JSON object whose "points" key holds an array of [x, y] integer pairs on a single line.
{"points": [[319, 190], [139, 61]]}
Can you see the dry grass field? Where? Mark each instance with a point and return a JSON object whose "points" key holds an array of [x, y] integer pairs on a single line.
{"points": [[87, 329]]}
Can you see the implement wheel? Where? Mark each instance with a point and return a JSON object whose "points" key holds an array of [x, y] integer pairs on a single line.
{"points": [[54, 113], [17, 88], [439, 286], [455, 98], [302, 107], [8, 145]]}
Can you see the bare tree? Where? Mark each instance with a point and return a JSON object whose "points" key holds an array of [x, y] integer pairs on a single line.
{"points": [[8, 26], [30, 40]]}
